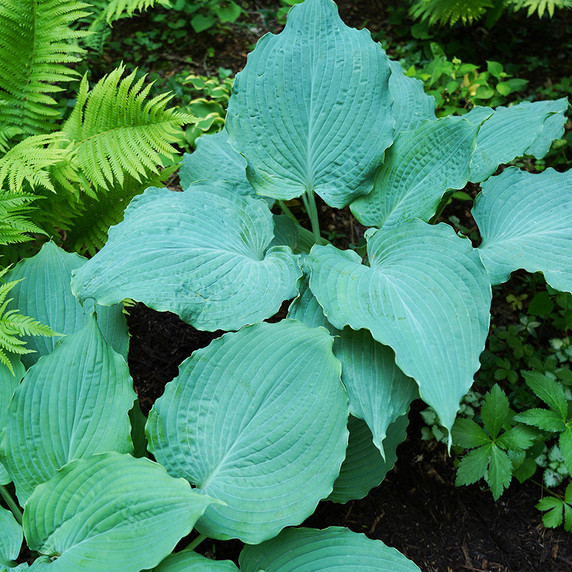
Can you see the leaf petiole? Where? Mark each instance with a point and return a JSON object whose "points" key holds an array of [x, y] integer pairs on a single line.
{"points": [[11, 504]]}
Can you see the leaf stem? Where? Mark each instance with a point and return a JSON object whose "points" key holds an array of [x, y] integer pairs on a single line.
{"points": [[196, 542], [288, 212], [312, 210], [11, 503]]}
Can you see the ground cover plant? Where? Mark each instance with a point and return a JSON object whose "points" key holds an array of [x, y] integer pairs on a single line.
{"points": [[272, 417]]}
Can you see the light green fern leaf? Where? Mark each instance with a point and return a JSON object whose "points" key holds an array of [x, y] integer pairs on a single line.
{"points": [[30, 160], [13, 325], [540, 6], [37, 46], [450, 11], [116, 131], [15, 224]]}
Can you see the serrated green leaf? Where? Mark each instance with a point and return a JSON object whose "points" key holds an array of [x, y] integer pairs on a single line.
{"points": [[127, 500], [311, 111], [468, 434], [517, 438], [550, 391], [525, 221], [71, 404], [495, 411], [425, 294], [334, 549], [473, 465], [214, 268], [565, 445], [554, 509], [544, 419], [499, 473], [231, 423], [421, 165]]}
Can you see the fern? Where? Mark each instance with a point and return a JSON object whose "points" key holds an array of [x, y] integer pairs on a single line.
{"points": [[13, 325], [29, 161], [37, 45], [450, 11], [116, 131], [540, 6], [14, 218]]}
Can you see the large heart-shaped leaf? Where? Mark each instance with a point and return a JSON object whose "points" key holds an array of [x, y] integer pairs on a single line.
{"points": [[11, 537], [419, 167], [215, 160], [9, 381], [364, 468], [258, 420], [190, 561], [73, 403], [311, 111], [425, 294], [334, 549], [44, 293], [523, 129], [202, 254], [378, 390], [411, 105], [110, 512], [525, 221]]}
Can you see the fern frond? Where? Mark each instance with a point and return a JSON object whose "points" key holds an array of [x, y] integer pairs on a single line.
{"points": [[450, 11], [37, 44], [117, 131], [29, 161], [15, 224], [540, 6]]}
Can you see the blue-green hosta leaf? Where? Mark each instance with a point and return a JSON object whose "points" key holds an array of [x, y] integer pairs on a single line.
{"points": [[510, 132], [311, 111], [215, 160], [45, 294], [364, 468], [420, 166], [71, 404], [8, 383], [378, 391], [425, 294], [258, 420], [525, 221], [110, 512], [411, 105], [190, 561], [11, 537], [333, 549], [306, 309], [202, 254]]}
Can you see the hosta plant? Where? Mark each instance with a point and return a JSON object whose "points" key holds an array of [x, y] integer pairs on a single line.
{"points": [[272, 417]]}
